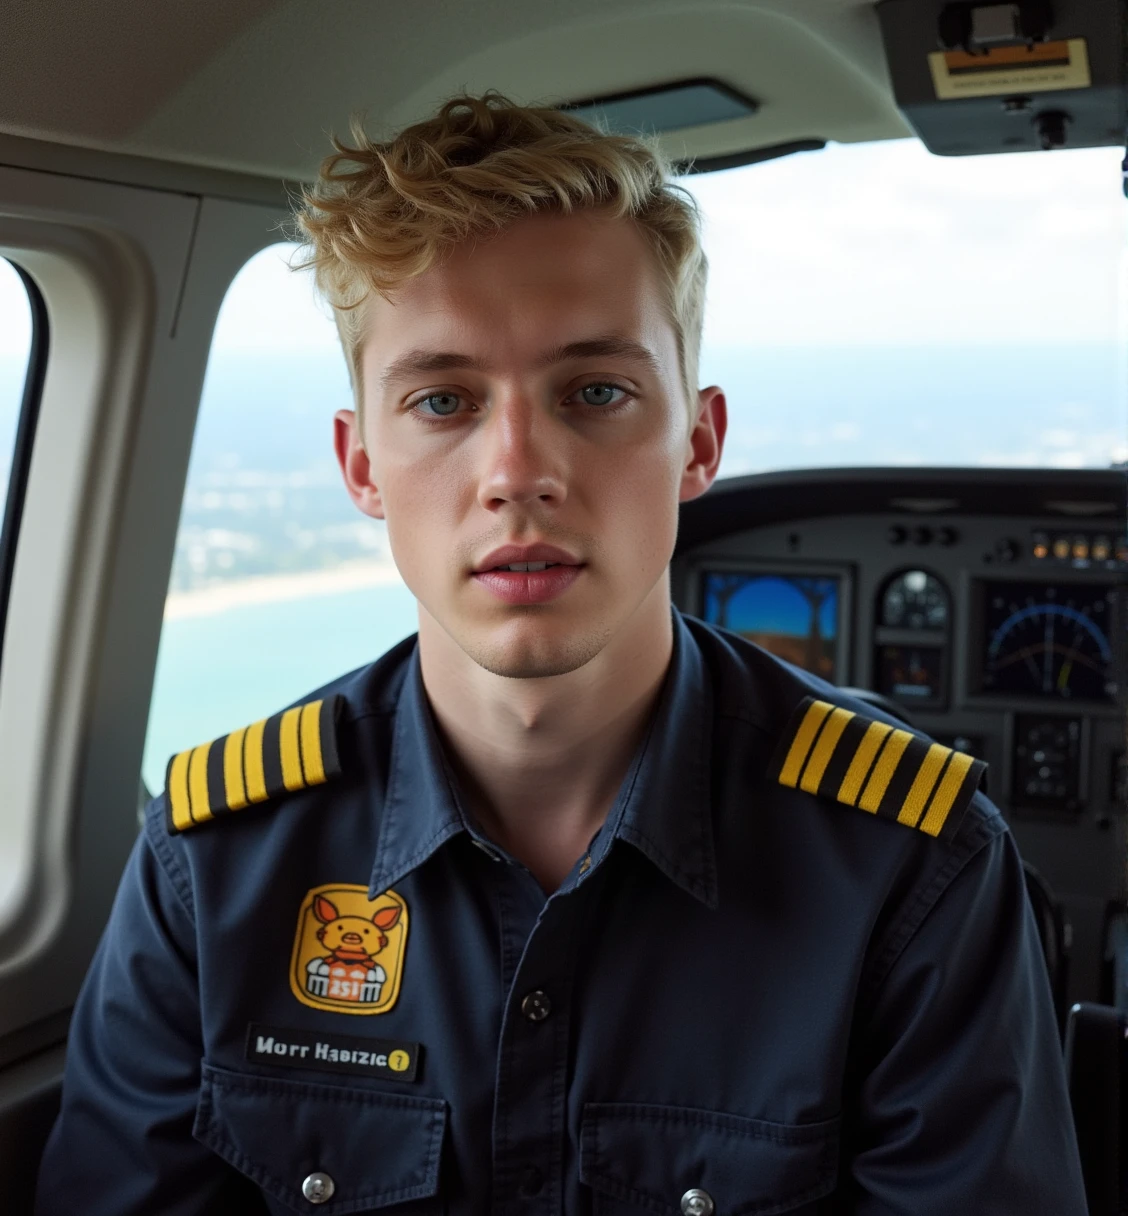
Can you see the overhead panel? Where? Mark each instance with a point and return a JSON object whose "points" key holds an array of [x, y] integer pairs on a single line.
{"points": [[258, 86], [806, 89], [673, 107], [1013, 77]]}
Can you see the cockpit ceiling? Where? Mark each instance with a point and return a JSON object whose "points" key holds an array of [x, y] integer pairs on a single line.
{"points": [[254, 86]]}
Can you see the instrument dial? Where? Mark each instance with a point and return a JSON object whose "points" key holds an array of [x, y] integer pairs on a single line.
{"points": [[915, 600]]}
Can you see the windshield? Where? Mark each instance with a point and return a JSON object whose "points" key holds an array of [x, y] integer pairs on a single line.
{"points": [[875, 304]]}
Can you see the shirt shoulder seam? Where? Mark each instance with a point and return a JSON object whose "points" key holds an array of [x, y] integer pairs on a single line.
{"points": [[928, 897], [161, 846]]}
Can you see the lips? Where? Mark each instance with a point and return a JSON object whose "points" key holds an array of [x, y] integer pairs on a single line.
{"points": [[523, 555], [527, 574]]}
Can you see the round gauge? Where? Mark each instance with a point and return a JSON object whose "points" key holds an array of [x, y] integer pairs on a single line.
{"points": [[1049, 641], [915, 600]]}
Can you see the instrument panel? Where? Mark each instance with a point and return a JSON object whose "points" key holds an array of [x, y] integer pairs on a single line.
{"points": [[988, 608], [1050, 641]]}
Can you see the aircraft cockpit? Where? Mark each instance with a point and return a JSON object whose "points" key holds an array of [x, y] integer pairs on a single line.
{"points": [[914, 217]]}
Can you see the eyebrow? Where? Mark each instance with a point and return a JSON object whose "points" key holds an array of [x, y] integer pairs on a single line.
{"points": [[424, 362], [608, 347]]}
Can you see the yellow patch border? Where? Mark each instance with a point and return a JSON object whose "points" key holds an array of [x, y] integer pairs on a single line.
{"points": [[397, 936]]}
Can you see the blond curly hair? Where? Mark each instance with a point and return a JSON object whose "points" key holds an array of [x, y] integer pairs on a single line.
{"points": [[381, 213]]}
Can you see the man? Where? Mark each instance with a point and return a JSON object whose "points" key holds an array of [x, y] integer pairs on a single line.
{"points": [[557, 908]]}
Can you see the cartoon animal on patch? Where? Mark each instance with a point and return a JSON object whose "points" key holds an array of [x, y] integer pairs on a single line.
{"points": [[349, 972]]}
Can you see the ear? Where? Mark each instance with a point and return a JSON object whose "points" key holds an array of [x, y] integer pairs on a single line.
{"points": [[385, 918], [348, 443], [324, 910], [705, 444]]}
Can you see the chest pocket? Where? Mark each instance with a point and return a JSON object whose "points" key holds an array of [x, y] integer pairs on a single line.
{"points": [[640, 1158], [377, 1150]]}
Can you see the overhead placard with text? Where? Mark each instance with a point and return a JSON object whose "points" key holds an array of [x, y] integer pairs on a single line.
{"points": [[1002, 71]]}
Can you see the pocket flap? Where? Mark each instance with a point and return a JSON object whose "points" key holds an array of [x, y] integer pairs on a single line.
{"points": [[651, 1155], [377, 1148]]}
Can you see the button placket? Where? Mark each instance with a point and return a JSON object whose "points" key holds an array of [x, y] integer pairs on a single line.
{"points": [[532, 1062]]}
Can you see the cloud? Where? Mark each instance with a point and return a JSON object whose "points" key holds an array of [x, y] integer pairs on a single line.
{"points": [[885, 244]]}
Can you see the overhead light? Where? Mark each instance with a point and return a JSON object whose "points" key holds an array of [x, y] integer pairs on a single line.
{"points": [[671, 107]]}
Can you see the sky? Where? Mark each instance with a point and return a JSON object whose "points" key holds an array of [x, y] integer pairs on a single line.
{"points": [[15, 315]]}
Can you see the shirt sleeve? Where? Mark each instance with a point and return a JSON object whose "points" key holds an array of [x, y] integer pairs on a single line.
{"points": [[123, 1144], [962, 1101]]}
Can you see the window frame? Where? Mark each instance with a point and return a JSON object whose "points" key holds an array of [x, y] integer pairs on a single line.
{"points": [[132, 279]]}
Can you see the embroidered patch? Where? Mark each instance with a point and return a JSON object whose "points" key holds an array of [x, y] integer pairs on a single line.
{"points": [[348, 949], [290, 1048]]}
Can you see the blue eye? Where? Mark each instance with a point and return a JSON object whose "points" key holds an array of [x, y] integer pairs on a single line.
{"points": [[601, 394], [439, 405]]}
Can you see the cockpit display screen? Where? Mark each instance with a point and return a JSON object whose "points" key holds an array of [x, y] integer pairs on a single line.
{"points": [[1048, 640], [794, 616]]}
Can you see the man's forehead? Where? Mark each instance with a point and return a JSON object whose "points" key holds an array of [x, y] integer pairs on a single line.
{"points": [[535, 289]]}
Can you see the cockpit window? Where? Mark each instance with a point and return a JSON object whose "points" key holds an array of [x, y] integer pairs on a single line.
{"points": [[23, 341], [15, 350], [278, 583], [872, 304]]}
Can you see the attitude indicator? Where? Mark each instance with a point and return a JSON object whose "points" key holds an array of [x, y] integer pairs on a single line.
{"points": [[1049, 641]]}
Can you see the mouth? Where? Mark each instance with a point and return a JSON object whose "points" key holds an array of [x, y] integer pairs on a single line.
{"points": [[525, 559], [527, 574]]}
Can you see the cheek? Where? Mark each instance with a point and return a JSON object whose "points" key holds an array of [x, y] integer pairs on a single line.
{"points": [[423, 503], [638, 500]]}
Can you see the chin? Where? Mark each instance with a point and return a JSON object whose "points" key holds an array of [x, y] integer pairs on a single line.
{"points": [[525, 650]]}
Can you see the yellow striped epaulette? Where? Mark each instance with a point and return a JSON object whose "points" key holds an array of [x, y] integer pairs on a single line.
{"points": [[288, 752], [835, 753]]}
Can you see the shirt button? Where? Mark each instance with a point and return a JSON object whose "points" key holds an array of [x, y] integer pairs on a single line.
{"points": [[536, 1006], [532, 1183], [696, 1202], [318, 1188]]}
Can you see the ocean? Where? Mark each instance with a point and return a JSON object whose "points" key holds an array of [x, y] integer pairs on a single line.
{"points": [[222, 671]]}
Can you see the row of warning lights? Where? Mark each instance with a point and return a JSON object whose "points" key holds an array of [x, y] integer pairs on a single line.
{"points": [[1079, 548]]}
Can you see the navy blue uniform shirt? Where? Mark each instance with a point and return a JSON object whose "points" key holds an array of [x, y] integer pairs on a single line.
{"points": [[744, 998]]}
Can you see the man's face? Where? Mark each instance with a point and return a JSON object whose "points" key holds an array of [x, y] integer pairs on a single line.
{"points": [[523, 405]]}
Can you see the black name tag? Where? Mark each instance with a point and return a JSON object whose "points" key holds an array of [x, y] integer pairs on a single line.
{"points": [[282, 1046]]}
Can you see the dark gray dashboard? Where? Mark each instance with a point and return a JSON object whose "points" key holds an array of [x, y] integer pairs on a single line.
{"points": [[988, 605]]}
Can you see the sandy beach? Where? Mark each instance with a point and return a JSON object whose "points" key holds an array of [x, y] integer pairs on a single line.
{"points": [[274, 588]]}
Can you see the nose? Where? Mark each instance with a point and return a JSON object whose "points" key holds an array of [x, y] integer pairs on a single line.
{"points": [[522, 462], [353, 939]]}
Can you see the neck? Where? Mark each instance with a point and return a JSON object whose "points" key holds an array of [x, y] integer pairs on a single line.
{"points": [[541, 760]]}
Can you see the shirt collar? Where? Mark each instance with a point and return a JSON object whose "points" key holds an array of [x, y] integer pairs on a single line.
{"points": [[664, 807], [421, 810]]}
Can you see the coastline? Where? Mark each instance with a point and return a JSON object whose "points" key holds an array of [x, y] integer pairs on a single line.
{"points": [[274, 588]]}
